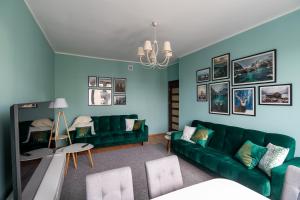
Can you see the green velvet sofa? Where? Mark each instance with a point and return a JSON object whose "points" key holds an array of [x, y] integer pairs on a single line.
{"points": [[218, 156], [110, 131]]}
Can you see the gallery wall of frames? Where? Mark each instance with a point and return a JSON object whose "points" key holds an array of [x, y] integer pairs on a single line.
{"points": [[232, 84], [105, 91]]}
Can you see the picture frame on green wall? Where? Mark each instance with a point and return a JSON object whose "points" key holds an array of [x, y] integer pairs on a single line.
{"points": [[92, 81], [203, 75], [276, 95], [219, 101], [202, 93], [100, 97], [104, 82], [244, 101], [120, 85], [221, 67], [119, 99], [255, 69]]}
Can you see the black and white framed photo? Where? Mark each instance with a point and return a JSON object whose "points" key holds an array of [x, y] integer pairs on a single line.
{"points": [[119, 99], [202, 93], [100, 97], [243, 101], [92, 81], [219, 101], [203, 75], [221, 67], [120, 85], [280, 95], [104, 82], [254, 69]]}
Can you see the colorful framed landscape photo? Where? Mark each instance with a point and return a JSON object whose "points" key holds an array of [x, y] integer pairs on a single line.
{"points": [[220, 67], [104, 82], [202, 92], [243, 101], [254, 69], [280, 95], [100, 97], [119, 100], [203, 75], [219, 100], [120, 85], [92, 81]]}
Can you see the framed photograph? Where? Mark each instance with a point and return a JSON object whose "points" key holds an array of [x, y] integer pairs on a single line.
{"points": [[92, 81], [280, 95], [220, 67], [203, 75], [243, 101], [104, 82], [119, 100], [120, 85], [99, 97], [219, 100], [202, 92], [254, 69]]}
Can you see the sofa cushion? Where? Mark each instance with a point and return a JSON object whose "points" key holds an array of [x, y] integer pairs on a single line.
{"points": [[232, 139], [283, 141], [83, 131], [104, 123], [139, 125], [115, 123], [274, 157], [217, 140], [202, 136], [254, 179], [250, 154], [96, 121], [122, 120]]}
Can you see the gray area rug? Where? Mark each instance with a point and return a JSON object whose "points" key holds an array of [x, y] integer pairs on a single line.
{"points": [[135, 157]]}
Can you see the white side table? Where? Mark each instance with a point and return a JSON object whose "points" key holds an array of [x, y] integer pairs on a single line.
{"points": [[74, 149]]}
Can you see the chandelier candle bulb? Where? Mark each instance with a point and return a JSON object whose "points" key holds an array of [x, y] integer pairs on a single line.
{"points": [[169, 54], [140, 51], [167, 46], [147, 46]]}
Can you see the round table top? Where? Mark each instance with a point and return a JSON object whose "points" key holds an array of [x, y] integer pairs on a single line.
{"points": [[36, 154], [75, 148]]}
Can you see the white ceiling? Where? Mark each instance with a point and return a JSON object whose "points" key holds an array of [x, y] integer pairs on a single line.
{"points": [[115, 28]]}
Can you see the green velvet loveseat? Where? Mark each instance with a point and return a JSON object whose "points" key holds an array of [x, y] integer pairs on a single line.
{"points": [[110, 131], [218, 156]]}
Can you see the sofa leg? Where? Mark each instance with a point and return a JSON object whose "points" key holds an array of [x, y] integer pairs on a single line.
{"points": [[142, 143]]}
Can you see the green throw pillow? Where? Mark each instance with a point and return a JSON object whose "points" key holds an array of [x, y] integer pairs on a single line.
{"points": [[139, 125], [202, 135], [250, 154], [83, 131], [39, 137]]}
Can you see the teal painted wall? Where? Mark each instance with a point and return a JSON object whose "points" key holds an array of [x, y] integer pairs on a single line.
{"points": [[173, 72], [27, 72], [146, 89], [281, 34]]}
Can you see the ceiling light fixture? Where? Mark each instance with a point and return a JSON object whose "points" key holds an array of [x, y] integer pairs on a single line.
{"points": [[150, 52]]}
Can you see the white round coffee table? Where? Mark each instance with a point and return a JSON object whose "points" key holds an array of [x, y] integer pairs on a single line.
{"points": [[74, 149]]}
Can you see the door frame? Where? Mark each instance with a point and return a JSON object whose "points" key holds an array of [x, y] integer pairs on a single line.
{"points": [[171, 84]]}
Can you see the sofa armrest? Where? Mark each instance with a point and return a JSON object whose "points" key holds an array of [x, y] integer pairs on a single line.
{"points": [[176, 135], [278, 175]]}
